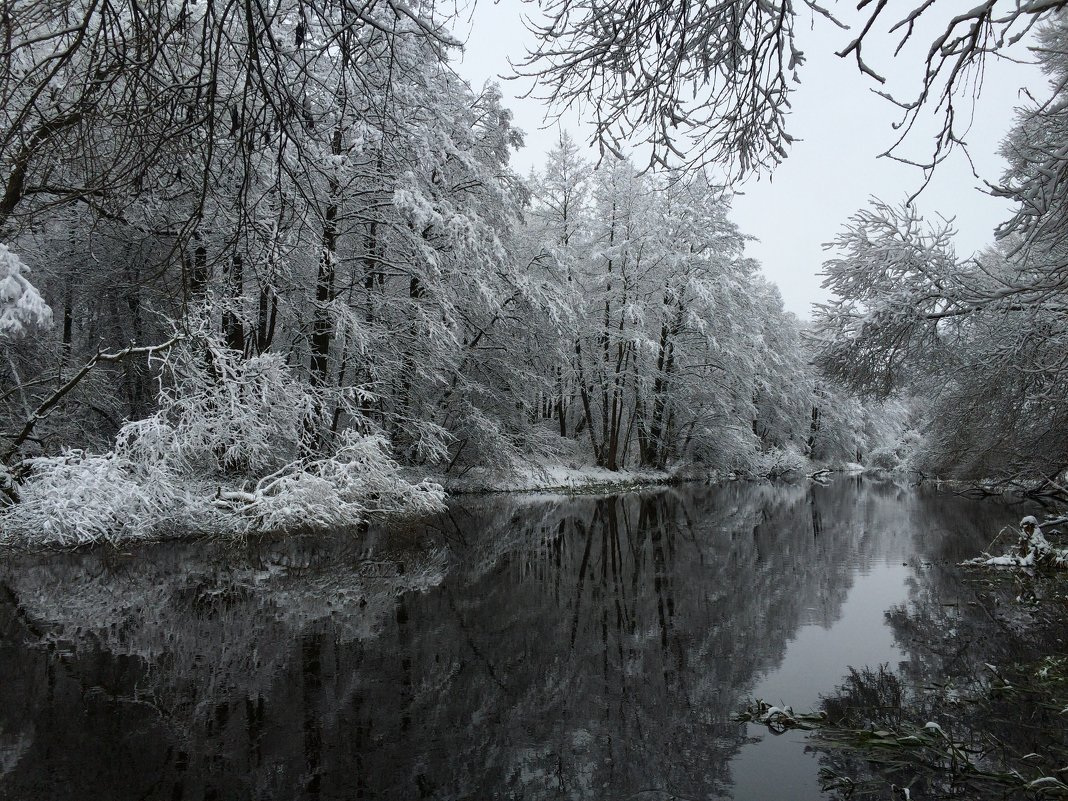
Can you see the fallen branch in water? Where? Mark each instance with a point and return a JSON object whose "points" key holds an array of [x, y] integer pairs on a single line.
{"points": [[907, 747], [779, 719], [1032, 549]]}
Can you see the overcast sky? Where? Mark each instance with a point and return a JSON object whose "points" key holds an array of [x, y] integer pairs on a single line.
{"points": [[831, 173]]}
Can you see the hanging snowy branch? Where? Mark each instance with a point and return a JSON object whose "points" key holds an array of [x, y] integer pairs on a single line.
{"points": [[696, 82], [711, 83]]}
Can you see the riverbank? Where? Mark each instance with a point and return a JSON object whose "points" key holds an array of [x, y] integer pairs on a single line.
{"points": [[560, 478], [587, 479], [81, 500]]}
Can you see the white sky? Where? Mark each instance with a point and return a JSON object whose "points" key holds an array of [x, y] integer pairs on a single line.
{"points": [[832, 172]]}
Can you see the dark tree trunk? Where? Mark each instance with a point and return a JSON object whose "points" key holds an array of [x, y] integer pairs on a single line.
{"points": [[814, 428], [233, 327], [266, 317], [323, 328], [198, 276], [68, 322]]}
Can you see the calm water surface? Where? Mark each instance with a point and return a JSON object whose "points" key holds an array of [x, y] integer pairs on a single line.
{"points": [[516, 648]]}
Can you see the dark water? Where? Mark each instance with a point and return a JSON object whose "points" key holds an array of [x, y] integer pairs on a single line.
{"points": [[517, 648]]}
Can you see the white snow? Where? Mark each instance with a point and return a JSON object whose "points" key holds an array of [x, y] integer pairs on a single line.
{"points": [[536, 478], [1031, 550], [21, 305]]}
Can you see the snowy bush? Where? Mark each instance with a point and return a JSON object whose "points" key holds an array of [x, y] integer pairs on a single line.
{"points": [[884, 459], [781, 461], [230, 450], [481, 441], [78, 498], [1032, 550], [7, 483], [732, 448], [221, 413], [899, 456], [359, 479]]}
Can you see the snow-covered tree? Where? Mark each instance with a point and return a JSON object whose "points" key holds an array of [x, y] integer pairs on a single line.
{"points": [[981, 338], [896, 279], [676, 338]]}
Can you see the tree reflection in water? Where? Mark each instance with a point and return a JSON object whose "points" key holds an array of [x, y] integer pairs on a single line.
{"points": [[521, 647]]}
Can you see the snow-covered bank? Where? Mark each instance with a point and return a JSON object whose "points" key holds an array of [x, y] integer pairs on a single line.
{"points": [[592, 479], [79, 499], [558, 477], [1032, 549]]}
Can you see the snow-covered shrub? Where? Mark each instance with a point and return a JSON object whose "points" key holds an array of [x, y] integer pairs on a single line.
{"points": [[360, 478], [884, 459], [733, 448], [1032, 550], [21, 305], [481, 441], [234, 447], [7, 483], [910, 446], [778, 462], [221, 413], [78, 498], [899, 456]]}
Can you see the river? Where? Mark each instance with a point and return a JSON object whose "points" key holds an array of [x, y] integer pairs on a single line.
{"points": [[517, 647]]}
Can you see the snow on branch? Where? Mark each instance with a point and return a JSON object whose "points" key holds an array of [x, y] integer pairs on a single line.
{"points": [[697, 82], [53, 400], [896, 276], [711, 83], [1032, 549], [21, 305]]}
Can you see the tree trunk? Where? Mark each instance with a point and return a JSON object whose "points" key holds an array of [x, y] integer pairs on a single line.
{"points": [[665, 366], [266, 318], [233, 327], [68, 323], [323, 328], [198, 276]]}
